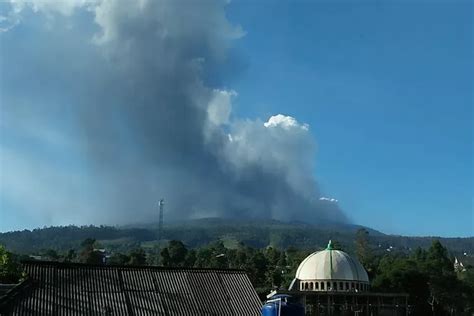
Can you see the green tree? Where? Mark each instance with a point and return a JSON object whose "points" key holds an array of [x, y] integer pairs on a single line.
{"points": [[241, 257], [219, 261], [273, 255], [336, 245], [137, 257], [190, 259], [88, 253], [282, 260], [402, 275], [10, 269], [274, 273], [118, 259], [177, 253], [428, 277], [165, 257], [364, 252], [51, 255], [275, 278], [445, 288], [70, 256], [203, 257], [467, 280], [257, 269]]}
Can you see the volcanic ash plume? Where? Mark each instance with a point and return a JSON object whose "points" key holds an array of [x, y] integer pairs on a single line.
{"points": [[119, 103]]}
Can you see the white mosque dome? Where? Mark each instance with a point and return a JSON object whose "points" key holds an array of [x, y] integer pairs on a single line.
{"points": [[330, 270]]}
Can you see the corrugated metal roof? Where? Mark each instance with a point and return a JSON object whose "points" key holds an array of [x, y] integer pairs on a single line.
{"points": [[79, 289]]}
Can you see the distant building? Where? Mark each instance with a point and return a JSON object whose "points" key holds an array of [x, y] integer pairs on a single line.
{"points": [[54, 288], [458, 265], [331, 282]]}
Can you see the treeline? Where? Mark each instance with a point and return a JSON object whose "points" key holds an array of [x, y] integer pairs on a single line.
{"points": [[429, 276], [199, 233], [63, 238]]}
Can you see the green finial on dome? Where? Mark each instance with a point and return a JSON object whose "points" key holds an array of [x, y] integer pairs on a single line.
{"points": [[329, 247]]}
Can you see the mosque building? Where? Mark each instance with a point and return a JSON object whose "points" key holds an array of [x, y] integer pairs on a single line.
{"points": [[330, 270], [331, 282]]}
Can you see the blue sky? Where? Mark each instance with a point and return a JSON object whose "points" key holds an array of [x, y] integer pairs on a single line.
{"points": [[386, 88]]}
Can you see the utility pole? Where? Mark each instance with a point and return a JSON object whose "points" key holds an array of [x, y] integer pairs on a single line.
{"points": [[160, 222]]}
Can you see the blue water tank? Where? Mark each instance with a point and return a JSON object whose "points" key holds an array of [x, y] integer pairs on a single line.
{"points": [[281, 305]]}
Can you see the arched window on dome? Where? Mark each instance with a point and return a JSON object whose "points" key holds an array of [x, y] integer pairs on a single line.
{"points": [[310, 286], [352, 286], [306, 285], [316, 286], [322, 286], [328, 286], [341, 286], [347, 286], [302, 286]]}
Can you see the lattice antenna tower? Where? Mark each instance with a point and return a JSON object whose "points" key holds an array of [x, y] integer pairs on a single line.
{"points": [[160, 222]]}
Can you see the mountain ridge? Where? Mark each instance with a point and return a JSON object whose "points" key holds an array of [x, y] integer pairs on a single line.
{"points": [[198, 232]]}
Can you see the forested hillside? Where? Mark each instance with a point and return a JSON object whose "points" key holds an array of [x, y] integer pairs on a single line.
{"points": [[201, 232]]}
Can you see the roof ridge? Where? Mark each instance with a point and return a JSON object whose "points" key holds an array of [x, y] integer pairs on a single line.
{"points": [[58, 264]]}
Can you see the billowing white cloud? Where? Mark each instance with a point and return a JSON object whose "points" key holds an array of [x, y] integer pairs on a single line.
{"points": [[285, 122], [286, 149]]}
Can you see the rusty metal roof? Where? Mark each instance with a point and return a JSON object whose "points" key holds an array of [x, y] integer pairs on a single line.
{"points": [[80, 289]]}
